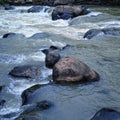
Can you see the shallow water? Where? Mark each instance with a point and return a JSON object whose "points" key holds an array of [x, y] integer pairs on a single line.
{"points": [[102, 53]]}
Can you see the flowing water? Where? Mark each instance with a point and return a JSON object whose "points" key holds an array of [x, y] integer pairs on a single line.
{"points": [[71, 102]]}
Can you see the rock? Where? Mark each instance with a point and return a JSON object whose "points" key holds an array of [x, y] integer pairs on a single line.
{"points": [[69, 69], [27, 92], [26, 71], [106, 114], [43, 105], [111, 31], [51, 59], [9, 35], [28, 118], [2, 103], [50, 49], [9, 7], [39, 36], [106, 31], [63, 2], [91, 33], [1, 88], [66, 12], [34, 9]]}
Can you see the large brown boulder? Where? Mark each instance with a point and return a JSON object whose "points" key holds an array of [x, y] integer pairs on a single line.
{"points": [[63, 2], [69, 69], [66, 12]]}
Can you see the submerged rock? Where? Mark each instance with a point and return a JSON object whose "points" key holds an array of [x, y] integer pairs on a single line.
{"points": [[2, 103], [39, 36], [34, 9], [66, 12], [9, 7], [26, 71], [91, 33], [69, 69], [28, 118], [63, 2], [9, 35], [43, 105], [106, 31], [51, 59], [27, 92], [106, 114]]}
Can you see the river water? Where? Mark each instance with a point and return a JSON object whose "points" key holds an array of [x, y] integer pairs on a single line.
{"points": [[102, 53]]}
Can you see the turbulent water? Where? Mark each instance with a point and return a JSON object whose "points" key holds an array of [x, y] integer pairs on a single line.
{"points": [[102, 53]]}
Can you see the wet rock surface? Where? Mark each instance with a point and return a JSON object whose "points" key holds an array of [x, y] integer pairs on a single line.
{"points": [[51, 59], [39, 36], [106, 31], [66, 12], [26, 71], [72, 70], [35, 9], [106, 114], [11, 35], [27, 92], [63, 2]]}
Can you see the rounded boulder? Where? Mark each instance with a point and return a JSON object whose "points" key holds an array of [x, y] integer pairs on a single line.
{"points": [[69, 69]]}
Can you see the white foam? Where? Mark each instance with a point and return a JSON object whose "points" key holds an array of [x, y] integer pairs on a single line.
{"points": [[12, 59], [94, 14]]}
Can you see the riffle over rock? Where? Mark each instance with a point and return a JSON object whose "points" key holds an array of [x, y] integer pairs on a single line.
{"points": [[66, 12], [63, 2], [26, 71], [69, 69], [106, 31]]}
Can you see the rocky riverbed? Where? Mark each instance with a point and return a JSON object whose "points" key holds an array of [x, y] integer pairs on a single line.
{"points": [[36, 52]]}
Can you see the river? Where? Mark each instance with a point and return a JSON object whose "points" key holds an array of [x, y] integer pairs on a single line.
{"points": [[102, 53]]}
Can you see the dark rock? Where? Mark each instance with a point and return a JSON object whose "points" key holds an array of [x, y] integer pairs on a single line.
{"points": [[28, 118], [9, 7], [43, 105], [1, 88], [111, 31], [9, 35], [63, 2], [69, 69], [106, 114], [106, 31], [92, 33], [27, 92], [51, 59], [39, 36], [35, 9], [50, 49], [66, 12], [26, 71], [2, 102]]}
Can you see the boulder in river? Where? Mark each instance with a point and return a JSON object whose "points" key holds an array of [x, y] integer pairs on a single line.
{"points": [[28, 118], [35, 9], [39, 36], [11, 34], [66, 12], [51, 59], [106, 114], [71, 70], [8, 7], [26, 71], [63, 2], [27, 92], [106, 31]]}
